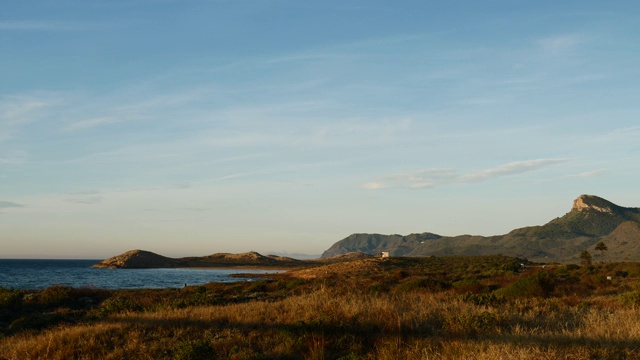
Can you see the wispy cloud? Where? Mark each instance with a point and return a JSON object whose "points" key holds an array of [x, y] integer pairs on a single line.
{"points": [[85, 197], [91, 123], [9, 204], [420, 179], [375, 185], [509, 169], [627, 130], [14, 157], [20, 109], [586, 174], [561, 42], [430, 178]]}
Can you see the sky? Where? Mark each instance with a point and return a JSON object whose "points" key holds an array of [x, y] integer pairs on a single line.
{"points": [[192, 127]]}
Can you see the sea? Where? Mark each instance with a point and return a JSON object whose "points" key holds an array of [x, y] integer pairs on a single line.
{"points": [[40, 274]]}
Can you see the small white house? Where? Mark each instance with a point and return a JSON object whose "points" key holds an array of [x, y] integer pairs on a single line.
{"points": [[384, 254]]}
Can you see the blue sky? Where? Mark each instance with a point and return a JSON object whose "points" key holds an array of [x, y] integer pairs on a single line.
{"points": [[195, 127]]}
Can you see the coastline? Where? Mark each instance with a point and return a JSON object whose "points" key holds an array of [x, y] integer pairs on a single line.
{"points": [[235, 267], [145, 259], [38, 274]]}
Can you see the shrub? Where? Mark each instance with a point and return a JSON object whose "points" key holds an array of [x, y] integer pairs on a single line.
{"points": [[289, 284], [513, 267], [10, 299], [622, 274], [422, 283], [114, 306], [631, 298], [402, 274], [55, 295], [571, 267], [378, 288], [468, 286], [486, 299], [193, 350], [541, 284], [474, 323], [350, 356]]}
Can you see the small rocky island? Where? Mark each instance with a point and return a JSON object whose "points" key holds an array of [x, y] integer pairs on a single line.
{"points": [[141, 259]]}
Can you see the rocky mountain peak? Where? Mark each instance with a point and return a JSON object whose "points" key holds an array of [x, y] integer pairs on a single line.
{"points": [[590, 202]]}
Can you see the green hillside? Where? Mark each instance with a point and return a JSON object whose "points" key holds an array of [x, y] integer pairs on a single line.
{"points": [[591, 220]]}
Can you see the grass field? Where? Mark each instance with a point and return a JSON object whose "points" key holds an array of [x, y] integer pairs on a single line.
{"points": [[402, 308]]}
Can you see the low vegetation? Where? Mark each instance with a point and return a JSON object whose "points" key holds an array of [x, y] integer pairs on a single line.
{"points": [[490, 307]]}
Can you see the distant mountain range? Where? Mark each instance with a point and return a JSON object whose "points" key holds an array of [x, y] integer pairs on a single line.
{"points": [[591, 220]]}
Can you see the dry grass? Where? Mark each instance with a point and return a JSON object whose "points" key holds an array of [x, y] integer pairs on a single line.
{"points": [[415, 311], [323, 325]]}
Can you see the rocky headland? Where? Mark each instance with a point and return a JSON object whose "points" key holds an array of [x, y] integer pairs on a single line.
{"points": [[590, 221], [141, 259]]}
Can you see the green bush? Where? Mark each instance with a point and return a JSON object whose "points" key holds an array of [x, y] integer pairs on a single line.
{"points": [[194, 299], [378, 288], [622, 273], [422, 283], [289, 284], [55, 296], [10, 299], [631, 298], [485, 299], [475, 323], [469, 286], [350, 356], [571, 267], [114, 306], [513, 267], [193, 350], [540, 284]]}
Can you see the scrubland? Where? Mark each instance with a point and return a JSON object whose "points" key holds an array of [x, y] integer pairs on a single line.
{"points": [[424, 308]]}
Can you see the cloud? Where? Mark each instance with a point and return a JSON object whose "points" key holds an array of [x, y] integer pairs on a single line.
{"points": [[90, 123], [586, 174], [85, 199], [509, 169], [561, 42], [9, 204], [627, 131], [22, 109], [430, 178], [14, 157], [374, 185], [420, 179]]}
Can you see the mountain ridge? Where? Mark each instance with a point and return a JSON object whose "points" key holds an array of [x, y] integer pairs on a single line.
{"points": [[142, 259], [591, 219]]}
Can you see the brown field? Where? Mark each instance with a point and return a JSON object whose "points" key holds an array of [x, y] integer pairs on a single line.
{"points": [[427, 308]]}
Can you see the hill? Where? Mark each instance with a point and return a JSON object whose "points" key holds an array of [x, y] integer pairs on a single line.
{"points": [[140, 259], [590, 220]]}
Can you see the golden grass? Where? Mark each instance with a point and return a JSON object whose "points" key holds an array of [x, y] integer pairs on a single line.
{"points": [[327, 325]]}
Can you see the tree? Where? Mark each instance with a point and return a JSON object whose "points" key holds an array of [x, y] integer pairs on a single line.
{"points": [[601, 247], [585, 256]]}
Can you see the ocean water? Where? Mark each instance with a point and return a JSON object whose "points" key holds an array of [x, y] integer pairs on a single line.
{"points": [[40, 274]]}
